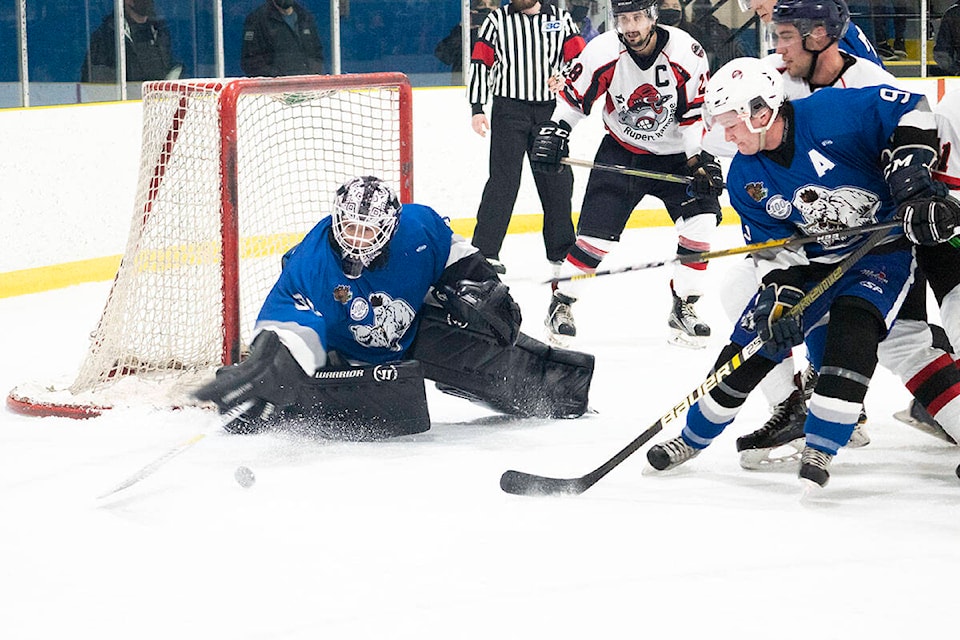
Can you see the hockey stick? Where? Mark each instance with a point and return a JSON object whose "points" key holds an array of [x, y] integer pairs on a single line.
{"points": [[526, 484], [627, 171], [704, 256], [175, 451]]}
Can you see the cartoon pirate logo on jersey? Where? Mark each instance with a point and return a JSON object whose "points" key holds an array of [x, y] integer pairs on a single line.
{"points": [[647, 109], [391, 319], [825, 210]]}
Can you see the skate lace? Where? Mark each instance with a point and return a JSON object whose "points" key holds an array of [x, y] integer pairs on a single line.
{"points": [[678, 450], [780, 417], [815, 457], [687, 313], [562, 315]]}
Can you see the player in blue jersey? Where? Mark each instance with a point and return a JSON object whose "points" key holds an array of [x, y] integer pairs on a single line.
{"points": [[853, 40], [797, 171], [345, 337]]}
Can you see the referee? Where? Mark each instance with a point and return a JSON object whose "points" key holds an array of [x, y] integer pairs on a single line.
{"points": [[519, 47]]}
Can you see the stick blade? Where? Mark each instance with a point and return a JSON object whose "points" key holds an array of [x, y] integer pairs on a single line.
{"points": [[519, 483]]}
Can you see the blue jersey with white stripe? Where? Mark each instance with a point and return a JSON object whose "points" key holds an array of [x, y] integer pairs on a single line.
{"points": [[856, 42]]}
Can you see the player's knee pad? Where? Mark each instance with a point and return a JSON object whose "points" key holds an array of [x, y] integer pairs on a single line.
{"points": [[528, 379], [360, 403]]}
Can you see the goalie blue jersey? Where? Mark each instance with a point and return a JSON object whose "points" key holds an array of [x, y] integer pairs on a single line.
{"points": [[373, 319], [834, 179]]}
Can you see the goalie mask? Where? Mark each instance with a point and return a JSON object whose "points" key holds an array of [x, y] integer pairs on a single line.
{"points": [[365, 216]]}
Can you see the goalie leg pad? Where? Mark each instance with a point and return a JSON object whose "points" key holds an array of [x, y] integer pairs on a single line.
{"points": [[361, 403], [528, 379]]}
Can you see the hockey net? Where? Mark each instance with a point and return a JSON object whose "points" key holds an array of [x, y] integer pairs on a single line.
{"points": [[232, 174]]}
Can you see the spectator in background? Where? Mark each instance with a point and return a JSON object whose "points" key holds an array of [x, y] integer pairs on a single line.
{"points": [[448, 50], [148, 52], [886, 12], [672, 14], [946, 50], [716, 38], [580, 11], [519, 48], [280, 39]]}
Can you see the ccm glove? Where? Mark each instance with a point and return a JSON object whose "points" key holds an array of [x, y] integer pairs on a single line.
{"points": [[930, 221], [268, 379], [707, 176], [487, 303], [549, 147], [778, 331]]}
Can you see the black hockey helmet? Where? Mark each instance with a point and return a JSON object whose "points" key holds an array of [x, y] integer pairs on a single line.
{"points": [[626, 6], [805, 15]]}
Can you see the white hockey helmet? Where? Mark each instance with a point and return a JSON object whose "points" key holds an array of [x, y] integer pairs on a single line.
{"points": [[744, 87], [365, 215]]}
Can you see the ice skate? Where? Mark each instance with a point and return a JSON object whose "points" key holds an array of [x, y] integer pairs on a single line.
{"points": [[670, 454], [919, 418], [780, 440], [561, 329], [814, 467], [686, 328]]}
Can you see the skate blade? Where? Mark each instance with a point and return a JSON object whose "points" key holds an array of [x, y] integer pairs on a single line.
{"points": [[782, 457], [931, 430], [681, 339], [809, 490]]}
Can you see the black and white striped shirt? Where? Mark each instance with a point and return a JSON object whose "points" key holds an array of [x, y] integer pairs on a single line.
{"points": [[516, 54]]}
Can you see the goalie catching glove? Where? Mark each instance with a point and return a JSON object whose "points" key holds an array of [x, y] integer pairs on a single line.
{"points": [[268, 378], [778, 331], [930, 221], [549, 147], [485, 303]]}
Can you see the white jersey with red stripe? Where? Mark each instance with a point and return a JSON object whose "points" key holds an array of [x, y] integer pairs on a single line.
{"points": [[857, 73], [947, 113], [651, 110]]}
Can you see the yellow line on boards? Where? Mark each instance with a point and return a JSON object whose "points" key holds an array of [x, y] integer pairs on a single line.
{"points": [[58, 276]]}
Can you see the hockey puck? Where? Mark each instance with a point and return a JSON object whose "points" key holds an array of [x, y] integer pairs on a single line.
{"points": [[244, 477]]}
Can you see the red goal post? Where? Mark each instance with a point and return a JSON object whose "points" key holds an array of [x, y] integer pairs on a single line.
{"points": [[233, 173]]}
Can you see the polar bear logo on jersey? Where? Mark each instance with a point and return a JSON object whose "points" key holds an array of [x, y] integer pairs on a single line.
{"points": [[391, 319], [826, 209]]}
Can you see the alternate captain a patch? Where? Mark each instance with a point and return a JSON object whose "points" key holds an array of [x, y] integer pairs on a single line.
{"points": [[756, 190]]}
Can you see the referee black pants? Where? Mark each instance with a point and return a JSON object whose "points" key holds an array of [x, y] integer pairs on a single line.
{"points": [[512, 129]]}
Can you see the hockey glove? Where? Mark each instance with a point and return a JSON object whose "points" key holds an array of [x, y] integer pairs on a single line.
{"points": [[930, 221], [269, 377], [549, 147], [707, 176], [778, 331], [486, 304], [907, 172]]}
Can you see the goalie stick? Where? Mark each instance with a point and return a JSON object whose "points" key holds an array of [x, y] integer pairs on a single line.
{"points": [[527, 484], [149, 469], [704, 256]]}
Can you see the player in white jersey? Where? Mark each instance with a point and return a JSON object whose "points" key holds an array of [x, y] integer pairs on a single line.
{"points": [[939, 260], [649, 81]]}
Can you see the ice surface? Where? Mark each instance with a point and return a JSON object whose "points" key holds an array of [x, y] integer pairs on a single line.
{"points": [[414, 539]]}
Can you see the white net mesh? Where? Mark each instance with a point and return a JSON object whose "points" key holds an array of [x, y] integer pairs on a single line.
{"points": [[165, 322]]}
